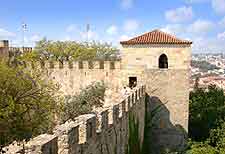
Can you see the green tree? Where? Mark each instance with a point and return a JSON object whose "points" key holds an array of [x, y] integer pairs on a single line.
{"points": [[215, 144], [202, 148], [207, 109], [104, 51], [66, 50], [28, 103], [82, 103], [217, 138], [42, 45]]}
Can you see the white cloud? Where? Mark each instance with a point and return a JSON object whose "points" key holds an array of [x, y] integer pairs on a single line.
{"points": [[197, 1], [204, 44], [28, 40], [196, 29], [71, 28], [91, 35], [181, 14], [131, 25], [4, 34], [222, 22], [35, 37], [176, 29], [124, 38], [112, 30], [219, 6], [221, 36], [201, 27], [196, 32], [67, 38], [127, 4], [75, 32]]}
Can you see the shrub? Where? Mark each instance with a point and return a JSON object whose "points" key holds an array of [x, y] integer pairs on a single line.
{"points": [[82, 103]]}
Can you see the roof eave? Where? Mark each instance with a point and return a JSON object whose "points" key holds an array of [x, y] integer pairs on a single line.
{"points": [[180, 43]]}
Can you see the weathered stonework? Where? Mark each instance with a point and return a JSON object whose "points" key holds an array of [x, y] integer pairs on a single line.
{"points": [[165, 87], [71, 78], [84, 136]]}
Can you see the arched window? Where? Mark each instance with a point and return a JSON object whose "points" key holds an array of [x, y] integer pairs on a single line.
{"points": [[163, 61]]}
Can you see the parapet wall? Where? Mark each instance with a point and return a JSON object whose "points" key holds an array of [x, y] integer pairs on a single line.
{"points": [[79, 65], [23, 49], [74, 75], [104, 133]]}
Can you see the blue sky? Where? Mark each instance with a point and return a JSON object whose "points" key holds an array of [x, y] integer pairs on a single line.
{"points": [[202, 21]]}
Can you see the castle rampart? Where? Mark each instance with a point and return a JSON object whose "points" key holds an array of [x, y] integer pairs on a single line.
{"points": [[157, 60], [78, 65], [74, 75], [107, 132]]}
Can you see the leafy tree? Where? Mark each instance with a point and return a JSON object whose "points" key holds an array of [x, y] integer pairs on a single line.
{"points": [[104, 51], [28, 103], [215, 144], [82, 103], [42, 45], [217, 138], [202, 148], [207, 109], [66, 50]]}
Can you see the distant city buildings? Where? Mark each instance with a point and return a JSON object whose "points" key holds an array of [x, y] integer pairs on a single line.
{"points": [[209, 71]]}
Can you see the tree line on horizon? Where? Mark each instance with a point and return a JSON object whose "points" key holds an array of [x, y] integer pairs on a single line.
{"points": [[68, 51]]}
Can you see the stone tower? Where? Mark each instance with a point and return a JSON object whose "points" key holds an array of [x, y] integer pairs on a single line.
{"points": [[161, 62]]}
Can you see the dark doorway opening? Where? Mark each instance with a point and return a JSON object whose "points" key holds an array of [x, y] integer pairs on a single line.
{"points": [[132, 82], [163, 61]]}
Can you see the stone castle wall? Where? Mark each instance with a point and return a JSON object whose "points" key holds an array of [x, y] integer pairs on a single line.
{"points": [[166, 87], [170, 84], [169, 89], [72, 76], [104, 133], [147, 56], [22, 49]]}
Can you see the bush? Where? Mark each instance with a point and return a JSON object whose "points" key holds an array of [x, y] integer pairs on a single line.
{"points": [[201, 148], [82, 103]]}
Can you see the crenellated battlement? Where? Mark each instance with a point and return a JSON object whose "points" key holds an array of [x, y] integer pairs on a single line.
{"points": [[22, 49], [92, 133], [75, 75], [76, 65]]}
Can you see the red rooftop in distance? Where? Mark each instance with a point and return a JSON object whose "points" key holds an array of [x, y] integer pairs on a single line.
{"points": [[155, 37]]}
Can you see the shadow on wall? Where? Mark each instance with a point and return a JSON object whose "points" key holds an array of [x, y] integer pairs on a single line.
{"points": [[160, 134]]}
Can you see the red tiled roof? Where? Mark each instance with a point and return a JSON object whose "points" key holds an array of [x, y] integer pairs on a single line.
{"points": [[155, 37]]}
